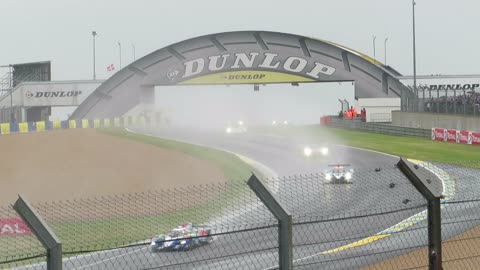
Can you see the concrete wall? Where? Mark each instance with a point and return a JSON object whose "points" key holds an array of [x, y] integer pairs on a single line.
{"points": [[431, 120], [379, 109]]}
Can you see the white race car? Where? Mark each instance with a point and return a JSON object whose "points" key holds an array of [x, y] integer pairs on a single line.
{"points": [[279, 123], [238, 127], [315, 151], [339, 174]]}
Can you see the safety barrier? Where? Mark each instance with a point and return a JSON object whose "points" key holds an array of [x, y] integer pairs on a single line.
{"points": [[40, 126], [299, 222], [358, 124], [456, 136]]}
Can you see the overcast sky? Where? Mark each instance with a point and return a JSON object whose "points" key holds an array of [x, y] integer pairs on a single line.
{"points": [[60, 30]]}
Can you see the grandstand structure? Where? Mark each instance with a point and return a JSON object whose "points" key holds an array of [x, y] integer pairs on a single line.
{"points": [[12, 76], [447, 94]]}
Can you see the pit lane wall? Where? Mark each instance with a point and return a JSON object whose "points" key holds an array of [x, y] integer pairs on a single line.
{"points": [[117, 122]]}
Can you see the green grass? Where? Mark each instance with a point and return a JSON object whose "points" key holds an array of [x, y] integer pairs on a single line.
{"points": [[409, 147]]}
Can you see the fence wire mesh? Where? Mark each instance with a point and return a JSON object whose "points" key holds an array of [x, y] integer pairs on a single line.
{"points": [[18, 246], [378, 221]]}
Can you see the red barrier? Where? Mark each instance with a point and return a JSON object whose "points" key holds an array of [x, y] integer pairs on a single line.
{"points": [[451, 135], [475, 138], [464, 137], [439, 134], [13, 227]]}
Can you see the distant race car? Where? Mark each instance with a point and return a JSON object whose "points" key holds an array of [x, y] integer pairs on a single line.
{"points": [[315, 151], [238, 127], [182, 238], [279, 123], [339, 174]]}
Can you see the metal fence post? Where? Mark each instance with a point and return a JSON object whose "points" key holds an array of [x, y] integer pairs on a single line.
{"points": [[42, 231], [285, 254], [425, 185]]}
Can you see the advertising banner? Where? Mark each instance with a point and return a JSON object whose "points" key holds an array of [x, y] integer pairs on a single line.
{"points": [[13, 227], [439, 134], [475, 138], [451, 135], [464, 137], [56, 94]]}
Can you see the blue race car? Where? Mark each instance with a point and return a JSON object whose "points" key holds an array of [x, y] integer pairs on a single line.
{"points": [[182, 238]]}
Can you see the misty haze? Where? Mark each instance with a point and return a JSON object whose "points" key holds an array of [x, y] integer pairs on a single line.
{"points": [[216, 105]]}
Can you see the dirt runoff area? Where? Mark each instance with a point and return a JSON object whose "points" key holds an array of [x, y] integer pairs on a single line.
{"points": [[80, 163], [458, 253]]}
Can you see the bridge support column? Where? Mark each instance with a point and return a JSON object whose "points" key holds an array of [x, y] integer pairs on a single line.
{"points": [[147, 99]]}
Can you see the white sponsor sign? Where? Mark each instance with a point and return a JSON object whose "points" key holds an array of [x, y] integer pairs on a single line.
{"points": [[56, 94]]}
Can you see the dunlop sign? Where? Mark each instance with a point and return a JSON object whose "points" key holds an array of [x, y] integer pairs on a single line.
{"points": [[250, 67]]}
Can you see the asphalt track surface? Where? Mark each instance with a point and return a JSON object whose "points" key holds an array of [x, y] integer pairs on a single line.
{"points": [[283, 155]]}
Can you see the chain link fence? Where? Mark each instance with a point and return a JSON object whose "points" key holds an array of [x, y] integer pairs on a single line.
{"points": [[378, 221], [18, 246]]}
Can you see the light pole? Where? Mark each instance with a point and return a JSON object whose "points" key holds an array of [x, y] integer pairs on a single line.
{"points": [[374, 55], [120, 53], [386, 39], [414, 59], [12, 115], [133, 46], [94, 34]]}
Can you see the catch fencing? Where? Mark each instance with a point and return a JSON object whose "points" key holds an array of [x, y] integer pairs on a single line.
{"points": [[358, 124], [379, 221]]}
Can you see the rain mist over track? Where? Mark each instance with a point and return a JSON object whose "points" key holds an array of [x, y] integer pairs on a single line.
{"points": [[213, 106]]}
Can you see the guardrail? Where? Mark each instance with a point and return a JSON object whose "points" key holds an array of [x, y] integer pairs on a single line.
{"points": [[239, 231], [358, 124]]}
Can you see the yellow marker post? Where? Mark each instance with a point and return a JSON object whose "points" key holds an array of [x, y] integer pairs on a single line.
{"points": [[85, 123], [106, 123], [23, 127], [5, 128], [40, 126], [72, 124], [57, 125]]}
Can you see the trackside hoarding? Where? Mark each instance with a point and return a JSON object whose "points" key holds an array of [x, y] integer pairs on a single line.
{"points": [[13, 227], [56, 94], [457, 136]]}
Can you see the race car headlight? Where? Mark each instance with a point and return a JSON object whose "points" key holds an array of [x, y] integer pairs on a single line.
{"points": [[307, 151], [328, 176], [274, 122], [348, 176], [240, 123], [285, 122], [324, 151], [228, 130]]}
